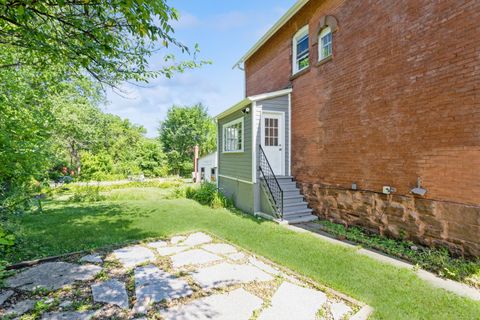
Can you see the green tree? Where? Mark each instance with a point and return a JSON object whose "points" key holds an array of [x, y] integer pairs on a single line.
{"points": [[183, 128], [111, 40]]}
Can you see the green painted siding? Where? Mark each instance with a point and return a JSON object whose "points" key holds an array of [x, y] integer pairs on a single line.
{"points": [[265, 205], [241, 192], [239, 164]]}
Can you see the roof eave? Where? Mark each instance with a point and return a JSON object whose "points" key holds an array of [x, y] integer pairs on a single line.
{"points": [[248, 100], [279, 24]]}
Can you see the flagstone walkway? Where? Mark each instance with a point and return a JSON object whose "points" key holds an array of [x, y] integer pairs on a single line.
{"points": [[190, 277]]}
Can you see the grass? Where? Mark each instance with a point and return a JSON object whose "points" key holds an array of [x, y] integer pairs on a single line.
{"points": [[394, 293]]}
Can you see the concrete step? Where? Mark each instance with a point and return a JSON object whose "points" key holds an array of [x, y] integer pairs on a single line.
{"points": [[294, 207], [300, 219], [291, 193], [304, 212], [293, 199]]}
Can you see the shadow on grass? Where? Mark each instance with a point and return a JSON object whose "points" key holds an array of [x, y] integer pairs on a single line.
{"points": [[67, 227]]}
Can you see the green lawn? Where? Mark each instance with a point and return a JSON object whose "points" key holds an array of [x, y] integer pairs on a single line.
{"points": [[394, 293]]}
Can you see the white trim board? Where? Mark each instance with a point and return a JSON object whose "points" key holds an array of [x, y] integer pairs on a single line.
{"points": [[245, 102], [235, 179]]}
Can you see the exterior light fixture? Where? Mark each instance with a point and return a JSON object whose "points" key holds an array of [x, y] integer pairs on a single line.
{"points": [[246, 111], [419, 190]]}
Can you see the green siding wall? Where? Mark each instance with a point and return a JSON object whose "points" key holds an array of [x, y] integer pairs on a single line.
{"points": [[236, 165], [241, 192]]}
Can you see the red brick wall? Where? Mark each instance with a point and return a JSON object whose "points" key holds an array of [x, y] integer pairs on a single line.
{"points": [[399, 100]]}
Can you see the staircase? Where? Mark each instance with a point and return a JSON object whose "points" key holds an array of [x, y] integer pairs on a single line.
{"points": [[282, 193], [295, 208]]}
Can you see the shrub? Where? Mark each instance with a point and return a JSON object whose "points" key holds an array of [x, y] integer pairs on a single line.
{"points": [[87, 194], [209, 195], [437, 260]]}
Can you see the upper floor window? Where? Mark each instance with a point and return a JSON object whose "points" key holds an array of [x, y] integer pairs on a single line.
{"points": [[233, 136], [301, 54], [325, 41]]}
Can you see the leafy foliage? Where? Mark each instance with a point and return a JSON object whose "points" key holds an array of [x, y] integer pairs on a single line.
{"points": [[87, 194], [111, 40], [183, 128], [208, 194], [433, 259]]}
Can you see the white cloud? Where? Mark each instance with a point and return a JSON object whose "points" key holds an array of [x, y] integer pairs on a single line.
{"points": [[147, 106], [186, 21]]}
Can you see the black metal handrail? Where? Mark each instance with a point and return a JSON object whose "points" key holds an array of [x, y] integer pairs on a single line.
{"points": [[272, 183]]}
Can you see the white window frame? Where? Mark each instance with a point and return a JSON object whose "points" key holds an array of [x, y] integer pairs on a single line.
{"points": [[227, 125], [299, 35], [325, 31]]}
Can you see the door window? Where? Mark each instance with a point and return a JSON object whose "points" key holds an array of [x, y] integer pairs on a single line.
{"points": [[271, 132]]}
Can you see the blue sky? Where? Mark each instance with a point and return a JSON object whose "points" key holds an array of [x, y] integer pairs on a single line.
{"points": [[225, 30]]}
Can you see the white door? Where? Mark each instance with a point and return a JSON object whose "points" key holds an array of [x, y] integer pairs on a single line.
{"points": [[273, 137]]}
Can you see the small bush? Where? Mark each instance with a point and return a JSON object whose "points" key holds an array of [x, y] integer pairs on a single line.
{"points": [[7, 241], [87, 194], [209, 195]]}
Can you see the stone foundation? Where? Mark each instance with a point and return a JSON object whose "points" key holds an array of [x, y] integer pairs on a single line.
{"points": [[425, 221]]}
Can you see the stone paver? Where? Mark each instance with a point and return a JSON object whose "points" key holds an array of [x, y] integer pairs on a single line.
{"points": [[157, 244], [339, 310], [196, 239], [92, 258], [4, 295], [177, 239], [133, 256], [225, 274], [263, 266], [155, 285], [68, 315], [294, 302], [236, 256], [238, 304], [193, 257], [20, 308], [168, 251], [65, 304], [220, 248], [52, 275], [112, 292]]}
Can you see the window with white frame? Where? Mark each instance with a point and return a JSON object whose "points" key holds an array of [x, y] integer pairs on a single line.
{"points": [[325, 41], [233, 136], [301, 51]]}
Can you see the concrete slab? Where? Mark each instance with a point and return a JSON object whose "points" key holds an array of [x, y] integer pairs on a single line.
{"points": [[177, 239], [263, 266], [238, 304], [196, 239], [193, 257], [133, 256], [92, 258], [154, 285], [157, 244], [220, 248], [52, 275], [236, 256], [69, 315], [168, 251], [339, 310], [112, 292], [5, 295], [20, 308], [225, 274], [294, 302]]}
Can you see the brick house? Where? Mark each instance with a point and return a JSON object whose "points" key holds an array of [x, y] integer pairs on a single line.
{"points": [[367, 111]]}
